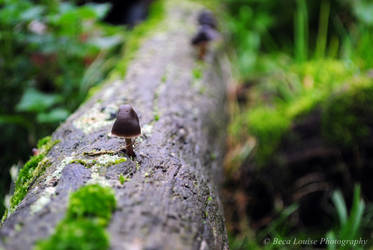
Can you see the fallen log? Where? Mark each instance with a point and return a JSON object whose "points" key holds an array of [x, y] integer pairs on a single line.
{"points": [[167, 197]]}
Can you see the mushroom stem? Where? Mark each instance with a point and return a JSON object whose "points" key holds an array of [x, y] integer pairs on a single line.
{"points": [[202, 50], [129, 147]]}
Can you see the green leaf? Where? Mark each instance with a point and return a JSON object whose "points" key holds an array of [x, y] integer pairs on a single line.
{"points": [[86, 12], [331, 236], [357, 210], [56, 115], [363, 11], [34, 100], [32, 13], [106, 42], [99, 9], [340, 205], [65, 7], [15, 120]]}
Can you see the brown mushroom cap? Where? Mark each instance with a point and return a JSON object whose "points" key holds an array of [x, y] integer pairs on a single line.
{"points": [[206, 17], [127, 123], [205, 34]]}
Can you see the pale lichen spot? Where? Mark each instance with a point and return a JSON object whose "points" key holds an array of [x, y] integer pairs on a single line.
{"points": [[147, 129], [97, 178], [57, 172], [95, 118], [44, 199], [108, 160], [204, 245], [98, 167]]}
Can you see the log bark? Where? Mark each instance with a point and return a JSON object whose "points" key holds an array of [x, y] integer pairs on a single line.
{"points": [[170, 199]]}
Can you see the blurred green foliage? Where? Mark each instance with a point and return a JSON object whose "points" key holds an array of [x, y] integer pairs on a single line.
{"points": [[349, 226], [303, 29], [346, 115], [289, 58], [295, 72], [51, 54]]}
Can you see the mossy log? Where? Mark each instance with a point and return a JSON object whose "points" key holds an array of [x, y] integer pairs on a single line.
{"points": [[167, 197]]}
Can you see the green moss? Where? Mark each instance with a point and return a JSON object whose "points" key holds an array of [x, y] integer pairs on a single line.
{"points": [[268, 125], [27, 176], [39, 170], [164, 78], [85, 163], [46, 144], [326, 73], [26, 172], [347, 116], [202, 90], [304, 104], [76, 235], [213, 156], [93, 90], [44, 141], [197, 73], [95, 152], [104, 160], [32, 169], [115, 162], [5, 215], [123, 179], [92, 201], [88, 213], [294, 91]]}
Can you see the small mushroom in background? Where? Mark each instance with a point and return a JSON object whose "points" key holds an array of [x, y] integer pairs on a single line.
{"points": [[204, 35], [35, 151], [127, 126], [206, 17]]}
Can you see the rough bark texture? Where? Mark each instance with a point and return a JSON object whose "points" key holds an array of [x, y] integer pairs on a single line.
{"points": [[170, 200]]}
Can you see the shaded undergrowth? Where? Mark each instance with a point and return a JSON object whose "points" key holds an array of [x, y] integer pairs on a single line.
{"points": [[301, 125]]}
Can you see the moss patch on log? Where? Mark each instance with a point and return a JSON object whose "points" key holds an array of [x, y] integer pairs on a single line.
{"points": [[31, 171], [347, 116], [268, 125], [76, 235], [92, 201], [89, 212], [290, 94], [101, 161], [123, 179]]}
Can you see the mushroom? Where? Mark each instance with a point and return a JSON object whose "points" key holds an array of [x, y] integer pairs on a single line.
{"points": [[127, 126], [205, 17], [35, 151], [204, 35]]}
